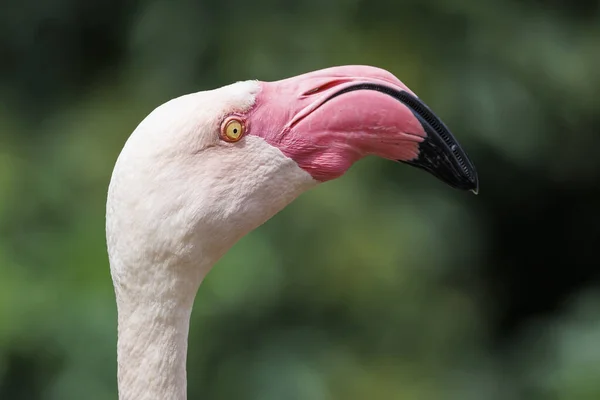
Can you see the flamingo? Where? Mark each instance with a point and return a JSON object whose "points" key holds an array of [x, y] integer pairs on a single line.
{"points": [[204, 169]]}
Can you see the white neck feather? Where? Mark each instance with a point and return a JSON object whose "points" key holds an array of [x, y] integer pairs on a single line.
{"points": [[171, 214], [152, 342], [153, 325]]}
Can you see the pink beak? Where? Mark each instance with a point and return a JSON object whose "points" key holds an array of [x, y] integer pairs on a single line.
{"points": [[328, 119]]}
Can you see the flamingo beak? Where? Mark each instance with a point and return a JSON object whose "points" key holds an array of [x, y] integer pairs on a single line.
{"points": [[326, 120]]}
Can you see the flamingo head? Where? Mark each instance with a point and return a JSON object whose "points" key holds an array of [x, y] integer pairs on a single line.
{"points": [[204, 169]]}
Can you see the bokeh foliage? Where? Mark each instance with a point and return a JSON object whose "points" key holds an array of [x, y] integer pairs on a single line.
{"points": [[384, 284]]}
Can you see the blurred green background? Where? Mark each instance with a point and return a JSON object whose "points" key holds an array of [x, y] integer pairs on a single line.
{"points": [[384, 284]]}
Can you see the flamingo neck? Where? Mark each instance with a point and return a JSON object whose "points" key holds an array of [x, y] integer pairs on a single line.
{"points": [[153, 327]]}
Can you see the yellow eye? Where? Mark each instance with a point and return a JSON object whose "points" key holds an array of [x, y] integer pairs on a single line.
{"points": [[232, 129]]}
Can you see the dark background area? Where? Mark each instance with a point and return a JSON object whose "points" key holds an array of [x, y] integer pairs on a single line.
{"points": [[383, 284]]}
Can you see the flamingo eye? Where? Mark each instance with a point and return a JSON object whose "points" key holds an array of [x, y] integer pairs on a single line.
{"points": [[232, 129]]}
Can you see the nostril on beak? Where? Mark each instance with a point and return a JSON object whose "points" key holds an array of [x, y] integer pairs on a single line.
{"points": [[324, 87]]}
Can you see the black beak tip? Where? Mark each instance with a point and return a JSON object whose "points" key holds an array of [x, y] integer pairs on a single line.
{"points": [[463, 177], [440, 153], [460, 179], [475, 188], [472, 185]]}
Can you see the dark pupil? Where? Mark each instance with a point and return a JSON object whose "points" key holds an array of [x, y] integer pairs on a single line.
{"points": [[234, 130]]}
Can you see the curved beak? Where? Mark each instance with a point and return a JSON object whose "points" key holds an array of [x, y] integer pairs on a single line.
{"points": [[330, 118], [439, 153]]}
